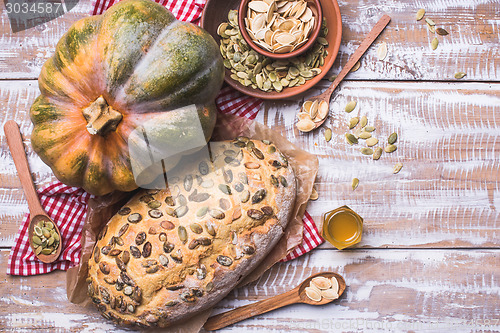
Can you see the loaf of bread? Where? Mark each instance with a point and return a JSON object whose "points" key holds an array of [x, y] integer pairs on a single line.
{"points": [[169, 254]]}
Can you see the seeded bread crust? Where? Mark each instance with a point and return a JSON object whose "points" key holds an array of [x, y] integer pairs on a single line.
{"points": [[169, 254]]}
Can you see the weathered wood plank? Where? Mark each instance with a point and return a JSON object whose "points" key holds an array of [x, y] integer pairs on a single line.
{"points": [[447, 192], [445, 196], [404, 290], [471, 46]]}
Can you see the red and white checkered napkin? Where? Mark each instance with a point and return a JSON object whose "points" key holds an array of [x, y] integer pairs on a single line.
{"points": [[67, 206]]}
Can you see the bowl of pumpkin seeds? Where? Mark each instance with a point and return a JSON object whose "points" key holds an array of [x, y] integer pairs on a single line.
{"points": [[280, 29], [255, 74]]}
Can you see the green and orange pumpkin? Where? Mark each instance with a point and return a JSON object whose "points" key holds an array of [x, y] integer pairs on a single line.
{"points": [[110, 74]]}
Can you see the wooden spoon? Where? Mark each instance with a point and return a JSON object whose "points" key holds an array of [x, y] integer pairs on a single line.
{"points": [[370, 38], [37, 213], [296, 295]]}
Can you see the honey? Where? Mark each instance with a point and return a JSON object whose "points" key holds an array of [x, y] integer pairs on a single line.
{"points": [[342, 227]]}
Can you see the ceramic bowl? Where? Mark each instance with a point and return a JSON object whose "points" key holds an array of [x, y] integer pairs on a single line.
{"points": [[215, 12], [315, 7]]}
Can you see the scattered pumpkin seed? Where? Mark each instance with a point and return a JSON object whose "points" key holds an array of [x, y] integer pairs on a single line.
{"points": [[434, 43], [382, 51], [371, 142], [351, 139], [430, 21], [441, 32], [350, 106], [355, 67], [459, 75], [314, 194], [328, 134], [353, 122], [397, 167], [366, 151], [369, 129], [364, 135], [390, 148], [392, 138], [355, 183], [363, 122], [420, 14], [431, 28], [377, 153]]}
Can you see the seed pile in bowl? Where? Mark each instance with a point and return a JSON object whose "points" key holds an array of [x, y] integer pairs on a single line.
{"points": [[252, 69], [45, 238], [322, 287], [279, 26]]}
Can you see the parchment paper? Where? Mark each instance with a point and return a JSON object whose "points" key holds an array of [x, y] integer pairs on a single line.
{"points": [[101, 209]]}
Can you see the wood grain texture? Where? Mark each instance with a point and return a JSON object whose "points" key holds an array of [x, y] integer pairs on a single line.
{"points": [[397, 289], [471, 46], [447, 194]]}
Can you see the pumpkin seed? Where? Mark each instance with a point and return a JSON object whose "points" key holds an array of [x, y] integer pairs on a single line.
{"points": [[313, 294], [392, 138], [255, 214], [355, 183], [128, 290], [314, 194], [244, 196], [217, 214], [140, 238], [125, 257], [104, 268], [146, 250], [210, 228], [146, 198], [36, 240], [97, 254], [364, 135], [355, 67], [183, 236], [363, 122], [193, 244], [459, 75], [377, 153], [382, 51], [134, 218], [181, 211], [328, 134], [353, 122], [434, 43], [283, 181], [224, 260], [201, 272], [154, 204], [135, 252], [366, 151], [351, 139], [155, 213], [369, 129], [177, 256], [196, 228], [390, 148], [124, 211], [271, 149], [123, 229], [259, 196], [431, 28], [371, 142], [350, 106], [441, 32], [420, 14], [430, 21], [305, 125], [275, 181], [202, 211], [115, 252], [239, 187], [252, 165], [106, 249], [167, 225], [169, 200], [397, 167], [168, 247], [258, 153], [228, 175], [188, 182]]}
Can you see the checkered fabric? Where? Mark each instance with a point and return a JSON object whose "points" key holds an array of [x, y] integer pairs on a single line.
{"points": [[67, 206]]}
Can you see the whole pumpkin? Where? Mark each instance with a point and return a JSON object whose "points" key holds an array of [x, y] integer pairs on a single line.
{"points": [[113, 72]]}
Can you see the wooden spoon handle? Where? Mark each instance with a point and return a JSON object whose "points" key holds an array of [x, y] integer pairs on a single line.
{"points": [[228, 318], [15, 143], [365, 44]]}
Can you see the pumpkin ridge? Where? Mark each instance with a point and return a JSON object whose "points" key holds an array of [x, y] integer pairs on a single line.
{"points": [[121, 92]]}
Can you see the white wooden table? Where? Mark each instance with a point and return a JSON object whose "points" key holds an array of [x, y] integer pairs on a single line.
{"points": [[429, 258]]}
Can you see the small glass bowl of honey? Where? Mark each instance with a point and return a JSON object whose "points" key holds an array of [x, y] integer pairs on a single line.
{"points": [[342, 227]]}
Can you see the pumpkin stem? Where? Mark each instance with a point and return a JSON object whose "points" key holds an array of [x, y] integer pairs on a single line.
{"points": [[101, 118]]}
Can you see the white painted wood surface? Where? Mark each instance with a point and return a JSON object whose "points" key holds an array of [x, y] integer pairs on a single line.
{"points": [[428, 260]]}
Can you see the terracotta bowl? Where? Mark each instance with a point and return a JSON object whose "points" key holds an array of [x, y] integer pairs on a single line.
{"points": [[315, 7], [215, 12]]}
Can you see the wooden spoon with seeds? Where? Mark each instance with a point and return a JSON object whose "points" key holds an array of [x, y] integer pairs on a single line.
{"points": [[296, 295], [37, 213], [324, 98]]}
